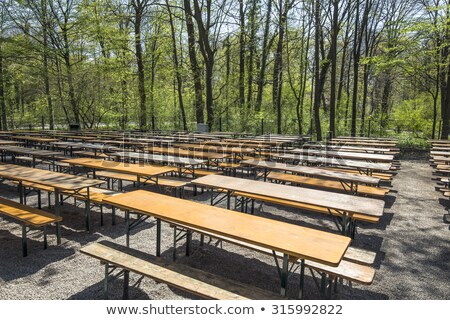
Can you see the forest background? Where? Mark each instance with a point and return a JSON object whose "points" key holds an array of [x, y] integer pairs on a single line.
{"points": [[317, 67]]}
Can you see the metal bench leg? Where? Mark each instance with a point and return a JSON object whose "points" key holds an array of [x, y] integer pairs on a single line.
{"points": [[127, 226], [39, 199], [105, 282], [87, 215], [126, 284], [174, 254], [284, 274], [58, 233], [158, 237], [188, 242], [45, 237], [24, 241], [101, 215], [302, 279], [113, 213]]}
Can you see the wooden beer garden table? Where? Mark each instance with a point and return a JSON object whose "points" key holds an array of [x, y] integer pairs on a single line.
{"points": [[345, 204], [236, 152], [38, 140], [291, 240], [349, 148], [375, 144], [351, 180], [362, 166], [10, 143], [34, 153], [345, 155], [213, 157], [58, 181], [145, 172], [184, 165]]}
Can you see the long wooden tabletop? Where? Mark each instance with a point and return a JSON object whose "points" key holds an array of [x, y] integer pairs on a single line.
{"points": [[211, 148], [158, 158], [314, 172], [122, 167], [31, 151], [264, 142], [343, 202], [381, 144], [296, 241], [61, 181], [34, 139], [349, 148], [440, 153], [186, 153], [345, 155], [362, 165], [9, 142], [367, 138]]}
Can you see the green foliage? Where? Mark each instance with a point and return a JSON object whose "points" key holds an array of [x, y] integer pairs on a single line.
{"points": [[413, 116]]}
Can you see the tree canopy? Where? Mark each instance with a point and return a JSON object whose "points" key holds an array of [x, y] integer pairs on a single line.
{"points": [[308, 67]]}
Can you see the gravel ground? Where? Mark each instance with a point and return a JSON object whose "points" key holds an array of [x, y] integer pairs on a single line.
{"points": [[411, 241]]}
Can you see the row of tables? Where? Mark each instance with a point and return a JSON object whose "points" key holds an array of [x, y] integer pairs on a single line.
{"points": [[290, 240]]}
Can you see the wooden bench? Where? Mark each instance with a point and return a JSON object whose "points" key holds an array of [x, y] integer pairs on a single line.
{"points": [[96, 197], [27, 160], [166, 182], [325, 184], [29, 217], [202, 172], [195, 281], [90, 154], [381, 176], [355, 266], [229, 167]]}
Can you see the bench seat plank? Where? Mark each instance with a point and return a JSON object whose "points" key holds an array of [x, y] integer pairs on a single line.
{"points": [[26, 214], [183, 277]]}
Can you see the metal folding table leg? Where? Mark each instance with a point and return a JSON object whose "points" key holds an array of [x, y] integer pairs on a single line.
{"points": [[284, 274]]}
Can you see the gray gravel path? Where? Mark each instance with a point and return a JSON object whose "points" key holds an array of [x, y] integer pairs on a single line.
{"points": [[412, 243]]}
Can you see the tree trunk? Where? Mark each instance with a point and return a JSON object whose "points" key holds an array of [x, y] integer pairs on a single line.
{"points": [[251, 49], [347, 93], [227, 81], [344, 57], [138, 10], [278, 67], [241, 55], [68, 64], [177, 68], [4, 122], [196, 71], [356, 56], [208, 56], [265, 50], [333, 51], [317, 70], [45, 65], [364, 99]]}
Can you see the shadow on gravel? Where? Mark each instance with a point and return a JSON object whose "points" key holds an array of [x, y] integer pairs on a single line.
{"points": [[259, 273], [389, 201], [14, 266], [115, 291]]}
